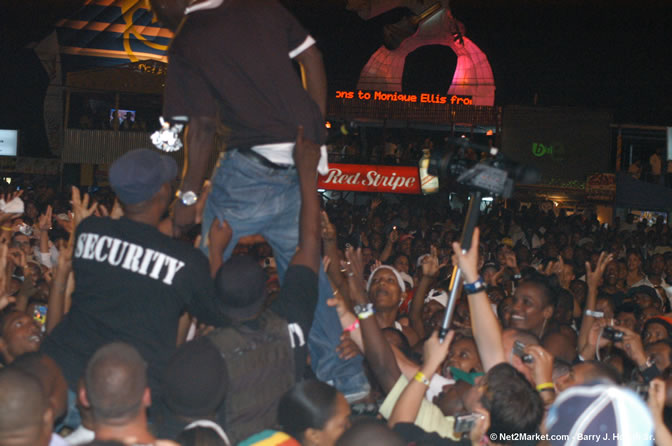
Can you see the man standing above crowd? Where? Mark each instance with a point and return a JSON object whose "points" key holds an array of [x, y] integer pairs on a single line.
{"points": [[132, 281], [231, 63]]}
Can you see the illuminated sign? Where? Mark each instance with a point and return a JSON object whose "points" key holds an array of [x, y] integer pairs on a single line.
{"points": [[555, 150], [601, 187], [370, 178], [422, 98], [8, 142]]}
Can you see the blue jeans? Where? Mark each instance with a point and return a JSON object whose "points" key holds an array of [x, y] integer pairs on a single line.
{"points": [[255, 199]]}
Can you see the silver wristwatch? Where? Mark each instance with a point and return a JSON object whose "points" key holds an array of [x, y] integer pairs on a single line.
{"points": [[188, 197]]}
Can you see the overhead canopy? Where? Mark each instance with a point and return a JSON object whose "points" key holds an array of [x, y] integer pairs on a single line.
{"points": [[111, 32], [145, 77], [635, 194]]}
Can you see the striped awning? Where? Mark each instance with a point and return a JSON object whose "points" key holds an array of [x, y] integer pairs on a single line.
{"points": [[112, 32]]}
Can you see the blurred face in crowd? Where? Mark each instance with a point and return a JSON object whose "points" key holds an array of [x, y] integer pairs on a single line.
{"points": [[654, 332], [463, 355], [634, 262], [502, 252], [668, 270], [605, 306], [579, 290], [20, 335], [489, 273], [367, 255], [376, 241], [405, 246], [451, 399], [660, 354], [529, 310], [627, 320], [648, 313], [334, 427], [401, 264], [567, 253], [462, 314], [31, 211], [657, 265], [22, 242], [622, 271], [644, 300], [435, 321], [420, 248], [504, 310], [429, 309], [385, 292], [611, 274], [377, 224]]}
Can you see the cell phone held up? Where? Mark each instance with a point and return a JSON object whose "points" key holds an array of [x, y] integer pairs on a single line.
{"points": [[612, 334], [519, 350], [465, 423]]}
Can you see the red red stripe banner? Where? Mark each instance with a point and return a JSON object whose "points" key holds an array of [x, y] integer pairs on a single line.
{"points": [[371, 178]]}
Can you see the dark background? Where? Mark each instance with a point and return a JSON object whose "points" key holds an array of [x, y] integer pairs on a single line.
{"points": [[602, 54]]}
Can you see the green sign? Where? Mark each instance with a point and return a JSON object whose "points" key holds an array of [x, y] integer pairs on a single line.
{"points": [[555, 150]]}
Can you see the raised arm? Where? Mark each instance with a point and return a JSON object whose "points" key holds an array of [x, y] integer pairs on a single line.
{"points": [[593, 278], [408, 405], [430, 269], [58, 291], [314, 76], [199, 146], [376, 349], [330, 244], [485, 326], [306, 157]]}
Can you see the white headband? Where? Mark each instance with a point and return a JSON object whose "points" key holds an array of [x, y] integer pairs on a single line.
{"points": [[438, 295], [208, 424], [402, 285]]}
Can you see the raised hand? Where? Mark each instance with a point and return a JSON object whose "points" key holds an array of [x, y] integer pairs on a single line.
{"points": [[347, 349], [468, 262], [594, 276], [430, 263], [393, 237], [435, 351], [44, 221], [80, 206], [542, 365], [511, 262], [328, 229]]}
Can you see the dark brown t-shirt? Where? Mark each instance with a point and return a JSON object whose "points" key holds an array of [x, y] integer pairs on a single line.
{"points": [[235, 60]]}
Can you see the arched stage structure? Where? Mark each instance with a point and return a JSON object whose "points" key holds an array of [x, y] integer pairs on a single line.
{"points": [[473, 75]]}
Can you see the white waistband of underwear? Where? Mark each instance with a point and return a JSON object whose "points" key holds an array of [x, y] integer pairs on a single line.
{"points": [[281, 154]]}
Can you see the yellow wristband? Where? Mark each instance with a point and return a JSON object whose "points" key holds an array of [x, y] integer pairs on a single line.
{"points": [[6, 228], [421, 378], [545, 386]]}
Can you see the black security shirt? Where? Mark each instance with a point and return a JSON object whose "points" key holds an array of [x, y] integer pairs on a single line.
{"points": [[131, 284]]}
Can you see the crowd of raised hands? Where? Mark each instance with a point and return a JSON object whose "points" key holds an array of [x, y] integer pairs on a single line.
{"points": [[563, 300], [560, 299]]}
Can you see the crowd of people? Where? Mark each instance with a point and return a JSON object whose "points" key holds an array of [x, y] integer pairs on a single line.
{"points": [[248, 311], [554, 306]]}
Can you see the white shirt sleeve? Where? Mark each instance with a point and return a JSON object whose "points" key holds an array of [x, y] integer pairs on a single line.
{"points": [[303, 47]]}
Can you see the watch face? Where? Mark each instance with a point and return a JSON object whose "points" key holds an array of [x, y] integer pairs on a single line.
{"points": [[188, 198]]}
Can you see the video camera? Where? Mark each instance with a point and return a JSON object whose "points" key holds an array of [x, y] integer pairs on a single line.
{"points": [[493, 175]]}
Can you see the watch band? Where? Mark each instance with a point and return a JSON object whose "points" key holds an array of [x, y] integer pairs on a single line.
{"points": [[364, 311], [474, 287]]}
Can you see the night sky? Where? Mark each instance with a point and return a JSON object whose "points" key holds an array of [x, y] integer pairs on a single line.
{"points": [[612, 54], [601, 54]]}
